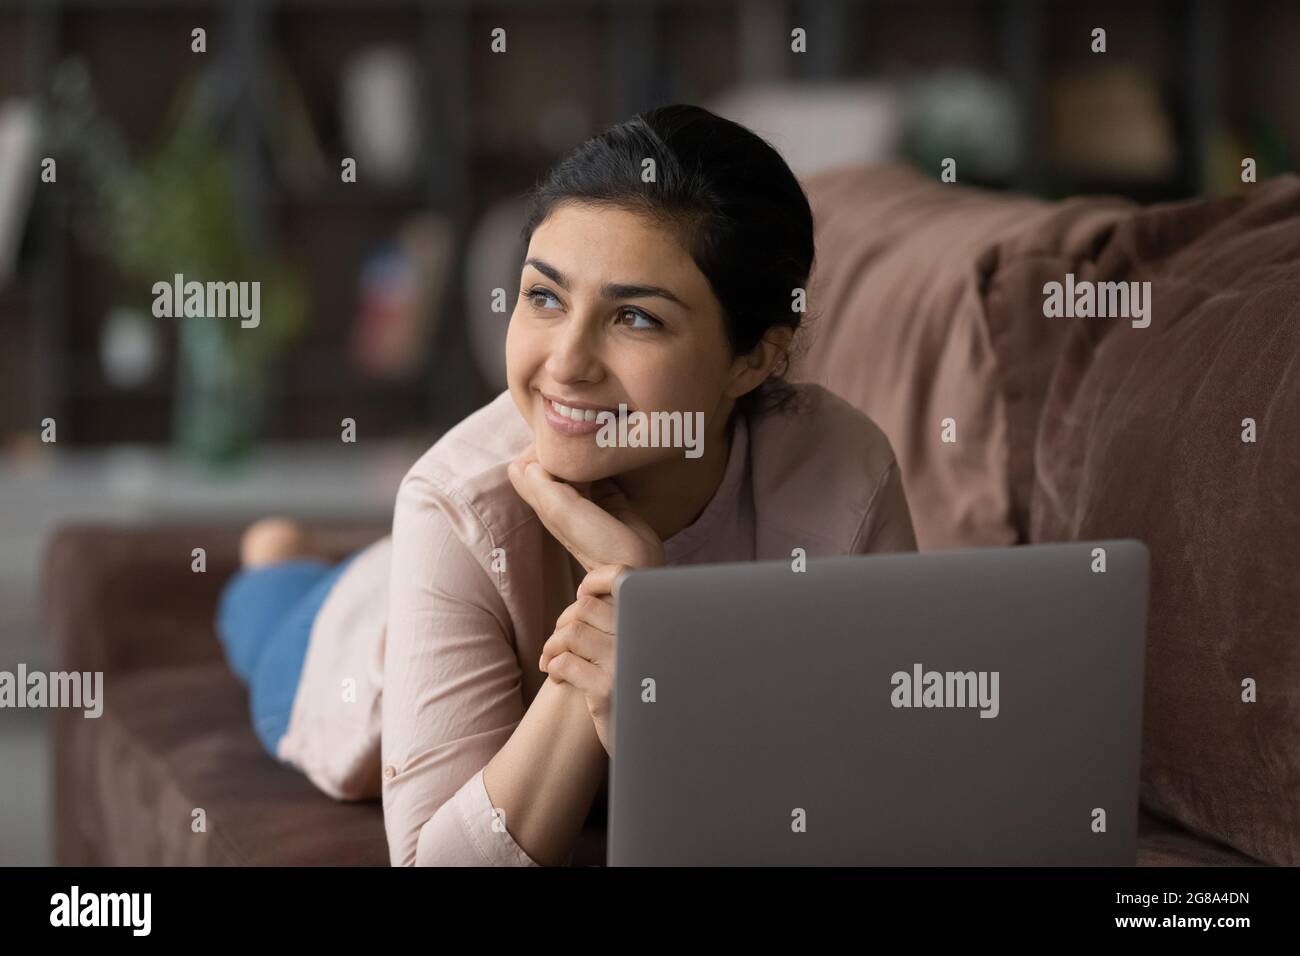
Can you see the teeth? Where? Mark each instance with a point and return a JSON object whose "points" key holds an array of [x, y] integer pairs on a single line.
{"points": [[576, 414]]}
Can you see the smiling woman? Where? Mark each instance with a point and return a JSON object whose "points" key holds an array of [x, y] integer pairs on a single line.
{"points": [[481, 635], [580, 340]]}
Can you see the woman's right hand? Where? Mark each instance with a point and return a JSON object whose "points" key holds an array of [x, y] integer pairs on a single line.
{"points": [[598, 527], [581, 651]]}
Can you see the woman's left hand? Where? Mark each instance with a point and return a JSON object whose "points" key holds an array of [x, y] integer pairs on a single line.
{"points": [[594, 521], [581, 651]]}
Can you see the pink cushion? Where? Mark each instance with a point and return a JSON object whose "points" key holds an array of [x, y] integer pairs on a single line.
{"points": [[907, 270], [1142, 437]]}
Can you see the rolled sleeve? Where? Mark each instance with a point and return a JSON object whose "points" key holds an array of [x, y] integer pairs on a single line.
{"points": [[467, 831]]}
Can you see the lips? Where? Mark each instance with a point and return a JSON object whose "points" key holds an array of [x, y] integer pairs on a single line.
{"points": [[573, 419]]}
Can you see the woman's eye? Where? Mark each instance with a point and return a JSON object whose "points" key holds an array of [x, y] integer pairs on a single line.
{"points": [[645, 320], [534, 294]]}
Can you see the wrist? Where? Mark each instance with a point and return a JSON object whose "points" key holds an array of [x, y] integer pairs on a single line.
{"points": [[654, 559]]}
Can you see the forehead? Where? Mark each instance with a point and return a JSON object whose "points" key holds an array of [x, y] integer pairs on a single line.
{"points": [[592, 245]]}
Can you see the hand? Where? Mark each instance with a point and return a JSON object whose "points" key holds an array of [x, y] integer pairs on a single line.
{"points": [[596, 524], [581, 651]]}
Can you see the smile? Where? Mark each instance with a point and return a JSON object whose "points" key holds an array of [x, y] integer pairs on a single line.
{"points": [[577, 414], [571, 419]]}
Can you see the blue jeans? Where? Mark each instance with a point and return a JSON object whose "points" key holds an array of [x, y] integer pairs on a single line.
{"points": [[264, 621]]}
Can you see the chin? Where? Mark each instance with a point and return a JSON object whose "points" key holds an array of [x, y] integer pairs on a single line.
{"points": [[577, 468], [577, 465]]}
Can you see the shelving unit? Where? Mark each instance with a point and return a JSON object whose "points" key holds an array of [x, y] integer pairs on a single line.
{"points": [[613, 58]]}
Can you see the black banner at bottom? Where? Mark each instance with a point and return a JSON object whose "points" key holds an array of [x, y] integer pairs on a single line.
{"points": [[122, 905]]}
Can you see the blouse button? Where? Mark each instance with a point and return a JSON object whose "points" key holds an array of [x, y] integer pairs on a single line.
{"points": [[390, 771]]}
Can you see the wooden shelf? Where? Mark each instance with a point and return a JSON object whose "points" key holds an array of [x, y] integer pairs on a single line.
{"points": [[615, 59]]}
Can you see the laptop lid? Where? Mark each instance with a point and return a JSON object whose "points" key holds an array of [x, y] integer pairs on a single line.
{"points": [[974, 707]]}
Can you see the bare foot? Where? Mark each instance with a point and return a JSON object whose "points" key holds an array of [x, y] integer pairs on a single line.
{"points": [[276, 539]]}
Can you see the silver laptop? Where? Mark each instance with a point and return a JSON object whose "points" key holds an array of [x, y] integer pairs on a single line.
{"points": [[975, 707]]}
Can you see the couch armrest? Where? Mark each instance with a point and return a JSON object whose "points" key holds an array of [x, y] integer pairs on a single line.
{"points": [[118, 598]]}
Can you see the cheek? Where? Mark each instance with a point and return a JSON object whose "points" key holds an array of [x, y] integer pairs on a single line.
{"points": [[521, 364], [516, 348], [525, 350], [691, 377]]}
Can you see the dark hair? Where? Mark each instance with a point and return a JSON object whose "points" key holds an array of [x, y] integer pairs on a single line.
{"points": [[735, 205]]}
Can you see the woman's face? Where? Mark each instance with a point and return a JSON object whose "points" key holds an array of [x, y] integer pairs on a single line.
{"points": [[612, 310]]}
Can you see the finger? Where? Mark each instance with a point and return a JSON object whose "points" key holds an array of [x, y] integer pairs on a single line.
{"points": [[522, 459], [594, 610], [517, 470], [525, 478], [565, 512], [531, 458], [548, 489], [603, 580], [581, 639], [582, 674]]}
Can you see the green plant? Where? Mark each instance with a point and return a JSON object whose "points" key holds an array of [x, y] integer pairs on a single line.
{"points": [[175, 209]]}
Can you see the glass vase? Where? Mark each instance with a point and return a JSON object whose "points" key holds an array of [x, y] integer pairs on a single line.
{"points": [[220, 395]]}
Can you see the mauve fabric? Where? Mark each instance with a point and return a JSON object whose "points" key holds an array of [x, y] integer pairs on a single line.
{"points": [[176, 736], [201, 755], [1013, 273], [448, 663], [175, 733], [1142, 437], [898, 328], [1163, 842]]}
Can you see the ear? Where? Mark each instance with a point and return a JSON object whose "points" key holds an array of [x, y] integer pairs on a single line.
{"points": [[750, 371]]}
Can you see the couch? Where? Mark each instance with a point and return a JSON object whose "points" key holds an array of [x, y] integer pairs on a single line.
{"points": [[927, 305]]}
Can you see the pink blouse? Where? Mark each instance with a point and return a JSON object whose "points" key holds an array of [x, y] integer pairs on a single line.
{"points": [[434, 632]]}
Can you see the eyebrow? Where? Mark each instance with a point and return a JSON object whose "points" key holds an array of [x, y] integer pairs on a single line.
{"points": [[610, 290]]}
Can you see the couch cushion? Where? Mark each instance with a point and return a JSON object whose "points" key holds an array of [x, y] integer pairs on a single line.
{"points": [[116, 597], [1142, 436], [1163, 842], [898, 328], [1014, 272], [173, 740]]}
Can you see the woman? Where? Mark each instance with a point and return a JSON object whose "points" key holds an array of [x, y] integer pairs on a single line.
{"points": [[666, 261]]}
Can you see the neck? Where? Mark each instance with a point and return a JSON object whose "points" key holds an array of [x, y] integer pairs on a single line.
{"points": [[671, 494]]}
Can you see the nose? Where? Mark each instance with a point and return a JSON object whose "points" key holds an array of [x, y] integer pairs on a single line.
{"points": [[574, 353]]}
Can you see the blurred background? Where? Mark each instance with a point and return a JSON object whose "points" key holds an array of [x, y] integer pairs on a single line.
{"points": [[213, 139]]}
